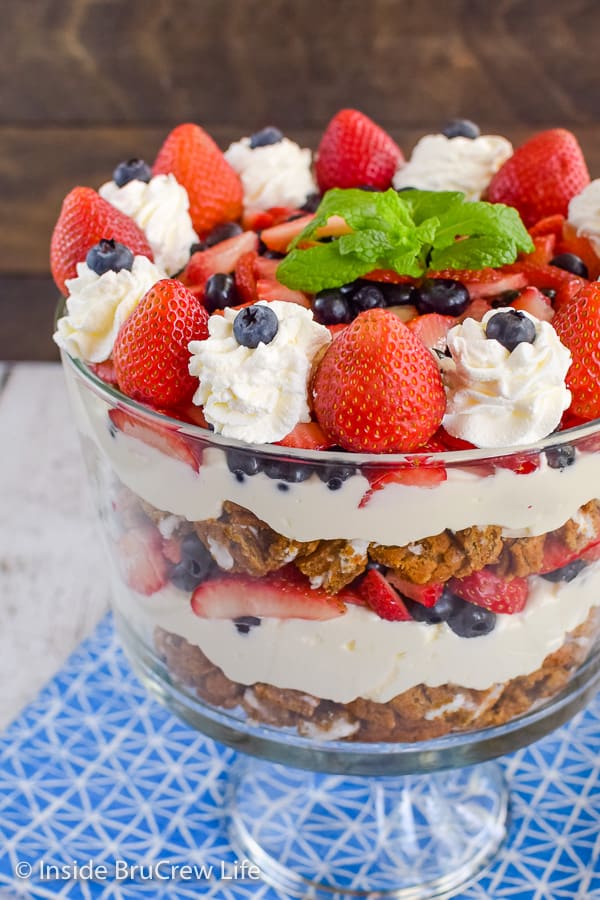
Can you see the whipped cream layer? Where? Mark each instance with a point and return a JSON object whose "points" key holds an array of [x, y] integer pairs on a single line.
{"points": [[499, 398], [274, 175], [98, 305], [438, 163], [584, 214], [161, 209], [522, 504], [361, 655]]}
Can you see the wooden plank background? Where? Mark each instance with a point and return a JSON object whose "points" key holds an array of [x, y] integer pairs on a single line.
{"points": [[86, 83]]}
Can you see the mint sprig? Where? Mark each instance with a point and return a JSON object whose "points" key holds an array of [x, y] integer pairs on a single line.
{"points": [[410, 233]]}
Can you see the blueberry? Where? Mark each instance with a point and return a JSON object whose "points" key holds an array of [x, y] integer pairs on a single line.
{"points": [[331, 307], [368, 187], [265, 137], [400, 294], [472, 621], [242, 464], [570, 263], [132, 170], [510, 328], [448, 604], [549, 292], [461, 128], [444, 296], [287, 471], [505, 298], [264, 251], [221, 233], [196, 562], [245, 623], [335, 475], [379, 567], [368, 297], [311, 204], [407, 187], [109, 255], [566, 573], [220, 292], [254, 325], [560, 457]]}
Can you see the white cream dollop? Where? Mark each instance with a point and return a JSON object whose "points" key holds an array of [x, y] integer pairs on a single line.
{"points": [[274, 175], [257, 395], [584, 214], [97, 306], [498, 398], [439, 163], [161, 209]]}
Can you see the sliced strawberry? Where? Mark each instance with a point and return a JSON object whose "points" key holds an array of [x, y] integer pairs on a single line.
{"points": [[572, 242], [420, 475], [475, 310], [452, 443], [222, 257], [557, 554], [105, 371], [432, 329], [279, 237], [484, 282], [548, 225], [285, 594], [141, 559], [544, 250], [520, 463], [307, 436], [425, 594], [192, 414], [245, 279], [485, 588], [161, 437], [281, 214], [388, 276], [564, 283], [532, 300], [171, 549], [256, 219], [382, 598]]}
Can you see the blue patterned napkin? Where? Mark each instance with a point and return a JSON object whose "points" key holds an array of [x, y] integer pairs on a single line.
{"points": [[95, 770]]}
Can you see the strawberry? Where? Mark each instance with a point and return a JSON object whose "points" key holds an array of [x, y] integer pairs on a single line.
{"points": [[421, 475], [171, 548], [388, 276], [144, 567], [475, 310], [268, 288], [214, 188], [520, 463], [572, 242], [432, 329], [485, 588], [162, 437], [452, 443], [542, 176], [286, 594], [222, 257], [547, 277], [484, 282], [256, 219], [545, 245], [382, 598], [355, 152], [532, 300], [151, 353], [548, 225], [306, 436], [377, 388], [279, 237], [578, 326], [86, 218], [245, 279], [425, 594], [105, 371]]}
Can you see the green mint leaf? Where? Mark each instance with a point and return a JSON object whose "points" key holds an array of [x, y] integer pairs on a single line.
{"points": [[368, 245], [478, 219], [473, 253], [320, 267]]}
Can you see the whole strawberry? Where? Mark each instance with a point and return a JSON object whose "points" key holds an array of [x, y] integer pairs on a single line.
{"points": [[86, 218], [151, 350], [542, 176], [378, 388], [355, 152], [214, 189], [577, 324]]}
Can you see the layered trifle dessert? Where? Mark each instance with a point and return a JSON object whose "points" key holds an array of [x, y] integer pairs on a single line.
{"points": [[339, 411]]}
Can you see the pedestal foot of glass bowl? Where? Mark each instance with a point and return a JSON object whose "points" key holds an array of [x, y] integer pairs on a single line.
{"points": [[409, 837]]}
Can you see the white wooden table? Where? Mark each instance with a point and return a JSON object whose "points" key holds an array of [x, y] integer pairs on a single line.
{"points": [[53, 587]]}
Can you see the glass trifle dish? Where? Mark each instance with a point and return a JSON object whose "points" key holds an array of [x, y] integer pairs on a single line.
{"points": [[340, 417]]}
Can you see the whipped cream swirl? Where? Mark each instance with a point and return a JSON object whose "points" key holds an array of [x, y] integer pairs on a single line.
{"points": [[584, 214], [98, 305], [439, 163], [161, 209], [498, 398], [257, 395], [274, 175]]}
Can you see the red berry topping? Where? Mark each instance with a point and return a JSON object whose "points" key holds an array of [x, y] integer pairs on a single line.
{"points": [[151, 353], [377, 388], [485, 588], [382, 598], [140, 554], [542, 176], [84, 220], [355, 152], [577, 324], [214, 189], [221, 258], [161, 437]]}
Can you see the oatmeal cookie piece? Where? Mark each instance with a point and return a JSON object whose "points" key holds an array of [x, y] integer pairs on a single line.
{"points": [[521, 556], [334, 564], [246, 543], [438, 558], [193, 668]]}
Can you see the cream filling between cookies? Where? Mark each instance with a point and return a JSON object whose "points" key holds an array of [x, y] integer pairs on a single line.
{"points": [[361, 655]]}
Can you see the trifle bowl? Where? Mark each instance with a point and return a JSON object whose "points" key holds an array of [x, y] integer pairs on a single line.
{"points": [[352, 519]]}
